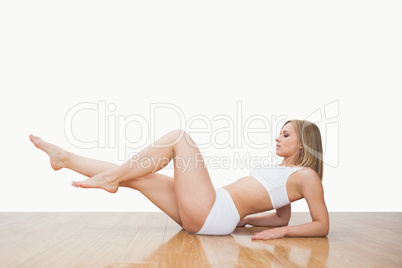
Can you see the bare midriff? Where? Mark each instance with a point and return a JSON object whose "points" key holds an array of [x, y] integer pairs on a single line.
{"points": [[250, 196]]}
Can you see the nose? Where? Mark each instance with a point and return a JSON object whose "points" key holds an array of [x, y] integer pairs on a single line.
{"points": [[277, 139]]}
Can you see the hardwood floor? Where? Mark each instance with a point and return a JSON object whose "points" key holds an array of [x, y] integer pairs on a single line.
{"points": [[149, 239]]}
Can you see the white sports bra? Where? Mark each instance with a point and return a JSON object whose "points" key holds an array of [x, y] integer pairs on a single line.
{"points": [[274, 180]]}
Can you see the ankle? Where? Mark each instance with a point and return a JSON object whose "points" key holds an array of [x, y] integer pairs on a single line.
{"points": [[110, 177], [65, 158]]}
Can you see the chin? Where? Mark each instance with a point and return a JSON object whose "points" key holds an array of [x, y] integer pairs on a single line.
{"points": [[280, 155]]}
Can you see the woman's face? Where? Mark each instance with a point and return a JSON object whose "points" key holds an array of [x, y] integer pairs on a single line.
{"points": [[287, 144]]}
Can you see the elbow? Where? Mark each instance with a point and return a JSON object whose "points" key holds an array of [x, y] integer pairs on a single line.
{"points": [[284, 223], [325, 230], [325, 233], [321, 229]]}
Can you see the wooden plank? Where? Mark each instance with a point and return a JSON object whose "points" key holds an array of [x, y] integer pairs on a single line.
{"points": [[236, 249], [135, 265], [146, 245], [26, 240], [179, 248], [17, 222], [299, 252], [108, 249], [310, 251], [14, 217], [67, 252], [377, 237], [254, 253]]}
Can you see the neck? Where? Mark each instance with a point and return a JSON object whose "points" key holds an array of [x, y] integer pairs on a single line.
{"points": [[289, 161]]}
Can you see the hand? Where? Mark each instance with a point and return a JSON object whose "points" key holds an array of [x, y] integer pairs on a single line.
{"points": [[270, 234], [242, 223]]}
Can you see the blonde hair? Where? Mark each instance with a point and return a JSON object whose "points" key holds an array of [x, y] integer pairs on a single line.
{"points": [[311, 154]]}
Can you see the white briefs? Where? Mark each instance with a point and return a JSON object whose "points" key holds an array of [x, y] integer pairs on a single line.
{"points": [[223, 217]]}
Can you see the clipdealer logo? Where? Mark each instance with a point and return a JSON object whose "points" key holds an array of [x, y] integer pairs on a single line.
{"points": [[238, 130]]}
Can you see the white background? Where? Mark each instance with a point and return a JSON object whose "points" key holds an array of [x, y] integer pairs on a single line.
{"points": [[286, 59]]}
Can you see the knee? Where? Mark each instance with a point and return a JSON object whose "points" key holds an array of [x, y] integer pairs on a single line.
{"points": [[179, 135]]}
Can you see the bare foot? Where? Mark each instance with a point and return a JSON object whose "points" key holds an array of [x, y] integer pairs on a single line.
{"points": [[57, 155], [102, 181]]}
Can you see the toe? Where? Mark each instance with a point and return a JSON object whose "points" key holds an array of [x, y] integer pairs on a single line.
{"points": [[35, 140]]}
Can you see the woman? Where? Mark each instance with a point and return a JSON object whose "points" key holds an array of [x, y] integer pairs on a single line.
{"points": [[190, 198]]}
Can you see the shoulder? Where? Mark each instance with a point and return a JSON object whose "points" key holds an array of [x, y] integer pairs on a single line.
{"points": [[308, 173], [308, 179]]}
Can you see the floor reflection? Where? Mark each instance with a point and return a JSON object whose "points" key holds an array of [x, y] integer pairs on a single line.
{"points": [[290, 251], [182, 248], [239, 249]]}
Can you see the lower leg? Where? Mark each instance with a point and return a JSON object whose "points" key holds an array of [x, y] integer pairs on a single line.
{"points": [[60, 158], [87, 166]]}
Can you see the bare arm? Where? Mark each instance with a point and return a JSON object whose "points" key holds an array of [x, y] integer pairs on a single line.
{"points": [[312, 190], [279, 218]]}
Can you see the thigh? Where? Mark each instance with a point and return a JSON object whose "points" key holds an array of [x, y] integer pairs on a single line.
{"points": [[195, 192], [159, 189]]}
